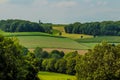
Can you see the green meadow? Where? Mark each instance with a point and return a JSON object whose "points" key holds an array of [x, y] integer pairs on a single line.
{"points": [[49, 42], [54, 76]]}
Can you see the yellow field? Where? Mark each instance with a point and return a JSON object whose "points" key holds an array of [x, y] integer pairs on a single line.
{"points": [[72, 36], [59, 28], [76, 36]]}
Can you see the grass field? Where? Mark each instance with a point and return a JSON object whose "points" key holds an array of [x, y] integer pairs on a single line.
{"points": [[54, 76], [98, 39], [37, 39], [25, 34], [32, 40], [49, 42]]}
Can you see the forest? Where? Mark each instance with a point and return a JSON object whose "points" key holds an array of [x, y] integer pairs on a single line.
{"points": [[95, 28], [15, 25]]}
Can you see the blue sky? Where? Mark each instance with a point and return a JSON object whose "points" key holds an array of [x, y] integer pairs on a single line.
{"points": [[60, 11]]}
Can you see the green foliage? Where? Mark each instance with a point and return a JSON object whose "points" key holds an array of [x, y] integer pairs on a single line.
{"points": [[60, 65], [48, 65], [94, 28], [24, 26], [58, 62], [47, 27], [11, 60], [39, 53], [71, 63], [14, 63], [101, 63], [44, 64], [32, 66], [56, 54], [71, 55], [51, 65]]}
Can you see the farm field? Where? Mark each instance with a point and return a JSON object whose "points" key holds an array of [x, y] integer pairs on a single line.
{"points": [[54, 76], [57, 29], [49, 42], [98, 39]]}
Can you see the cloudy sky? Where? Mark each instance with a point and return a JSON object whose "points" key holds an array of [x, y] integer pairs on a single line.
{"points": [[60, 11]]}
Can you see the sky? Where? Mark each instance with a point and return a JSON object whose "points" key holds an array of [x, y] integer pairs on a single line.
{"points": [[60, 11]]}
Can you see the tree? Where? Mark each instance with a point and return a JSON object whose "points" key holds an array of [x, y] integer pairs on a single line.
{"points": [[94, 28], [51, 65], [56, 54], [71, 63], [71, 55], [39, 53], [13, 62], [101, 63], [60, 66], [32, 66], [44, 64]]}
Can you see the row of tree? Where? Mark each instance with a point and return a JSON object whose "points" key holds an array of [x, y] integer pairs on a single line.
{"points": [[56, 61], [24, 26], [95, 28]]}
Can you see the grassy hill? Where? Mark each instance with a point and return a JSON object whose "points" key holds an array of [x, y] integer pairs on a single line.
{"points": [[32, 40], [54, 76], [44, 40]]}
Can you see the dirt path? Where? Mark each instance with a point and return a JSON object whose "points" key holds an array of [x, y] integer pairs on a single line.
{"points": [[64, 50]]}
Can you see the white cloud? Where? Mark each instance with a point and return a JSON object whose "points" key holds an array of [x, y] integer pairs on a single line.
{"points": [[65, 4], [40, 2], [3, 1], [87, 1], [101, 3]]}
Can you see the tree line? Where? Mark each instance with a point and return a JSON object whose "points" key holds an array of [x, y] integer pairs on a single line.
{"points": [[24, 26], [56, 61], [95, 28]]}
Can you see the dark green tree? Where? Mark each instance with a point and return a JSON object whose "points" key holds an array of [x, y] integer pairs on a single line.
{"points": [[14, 63], [60, 66]]}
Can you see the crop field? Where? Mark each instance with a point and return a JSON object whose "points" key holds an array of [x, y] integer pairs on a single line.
{"points": [[49, 42], [76, 36], [109, 39], [32, 40], [60, 28], [54, 76], [57, 29]]}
